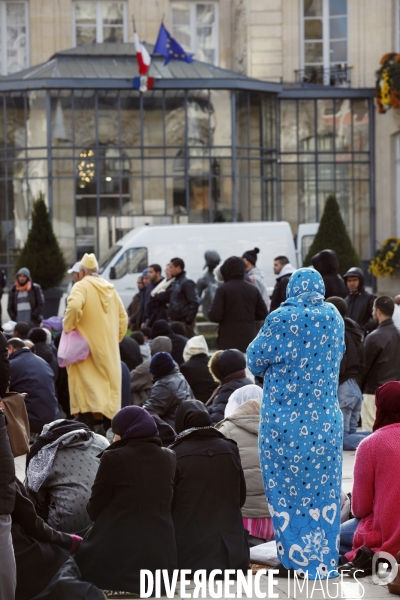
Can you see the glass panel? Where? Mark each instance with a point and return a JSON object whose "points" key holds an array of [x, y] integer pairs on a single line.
{"points": [[206, 33], [113, 34], [360, 125], [290, 192], [109, 205], [137, 260], [85, 35], [16, 36], [312, 8], [121, 266], [288, 126], [337, 7], [313, 52], [307, 125], [338, 52], [85, 13], [338, 28], [325, 125], [113, 21], [343, 125], [181, 24], [313, 29]]}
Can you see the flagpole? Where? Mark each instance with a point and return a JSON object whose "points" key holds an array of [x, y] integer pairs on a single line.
{"points": [[133, 24]]}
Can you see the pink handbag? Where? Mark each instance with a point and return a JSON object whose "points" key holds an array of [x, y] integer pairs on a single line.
{"points": [[73, 348]]}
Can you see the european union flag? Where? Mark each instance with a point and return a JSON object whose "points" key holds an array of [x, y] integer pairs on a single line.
{"points": [[167, 46]]}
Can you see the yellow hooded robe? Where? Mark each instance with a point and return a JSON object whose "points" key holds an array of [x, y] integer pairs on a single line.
{"points": [[96, 311]]}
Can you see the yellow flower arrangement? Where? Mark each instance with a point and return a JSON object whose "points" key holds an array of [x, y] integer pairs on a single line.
{"points": [[386, 262]]}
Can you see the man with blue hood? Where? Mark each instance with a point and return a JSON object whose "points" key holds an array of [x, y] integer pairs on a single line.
{"points": [[25, 300]]}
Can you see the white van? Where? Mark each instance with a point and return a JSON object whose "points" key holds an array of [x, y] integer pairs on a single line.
{"points": [[147, 245]]}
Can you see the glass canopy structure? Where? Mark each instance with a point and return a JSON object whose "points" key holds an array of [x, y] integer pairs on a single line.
{"points": [[204, 145]]}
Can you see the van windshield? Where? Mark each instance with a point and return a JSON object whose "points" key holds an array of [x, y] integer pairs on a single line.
{"points": [[107, 258]]}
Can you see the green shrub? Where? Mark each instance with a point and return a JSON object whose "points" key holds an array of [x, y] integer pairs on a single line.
{"points": [[332, 235], [42, 254]]}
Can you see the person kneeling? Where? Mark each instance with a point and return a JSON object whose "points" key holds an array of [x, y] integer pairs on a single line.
{"points": [[209, 492]]}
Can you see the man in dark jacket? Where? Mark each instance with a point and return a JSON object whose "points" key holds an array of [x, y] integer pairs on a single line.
{"points": [[351, 367], [382, 358], [284, 270], [237, 306], [32, 375], [184, 301], [25, 299], [152, 310], [169, 390], [161, 327], [209, 492], [228, 367], [3, 283], [7, 501], [4, 365], [359, 302], [327, 264]]}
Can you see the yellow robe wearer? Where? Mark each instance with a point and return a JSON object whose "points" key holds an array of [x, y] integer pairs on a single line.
{"points": [[95, 309]]}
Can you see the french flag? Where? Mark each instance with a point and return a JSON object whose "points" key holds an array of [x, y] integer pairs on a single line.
{"points": [[143, 57]]}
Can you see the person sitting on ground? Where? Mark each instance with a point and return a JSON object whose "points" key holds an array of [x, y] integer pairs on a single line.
{"points": [[326, 263], [147, 334], [141, 378], [60, 470], [130, 506], [130, 353], [143, 347], [178, 328], [241, 424], [209, 492], [170, 388], [228, 368], [32, 375], [161, 327], [21, 330], [351, 368], [7, 492], [375, 500], [45, 567], [195, 368], [38, 336]]}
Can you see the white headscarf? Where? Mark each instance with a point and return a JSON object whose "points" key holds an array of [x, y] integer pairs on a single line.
{"points": [[195, 345], [242, 395]]}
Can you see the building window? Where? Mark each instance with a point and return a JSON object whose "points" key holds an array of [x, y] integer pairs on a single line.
{"points": [[99, 22], [324, 41], [13, 37], [195, 27]]}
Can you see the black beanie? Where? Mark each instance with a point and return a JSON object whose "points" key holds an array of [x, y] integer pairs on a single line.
{"points": [[161, 364], [251, 255]]}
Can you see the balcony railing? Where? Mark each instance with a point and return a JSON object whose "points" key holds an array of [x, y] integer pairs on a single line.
{"points": [[337, 75]]}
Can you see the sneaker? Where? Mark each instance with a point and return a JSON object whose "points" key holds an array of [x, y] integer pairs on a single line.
{"points": [[362, 563]]}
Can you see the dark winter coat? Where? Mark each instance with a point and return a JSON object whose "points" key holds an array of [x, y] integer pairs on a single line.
{"points": [[228, 364], [7, 471], [353, 361], [184, 301], [360, 303], [279, 293], [154, 310], [209, 492], [39, 550], [382, 357], [44, 350], [198, 376], [237, 306], [166, 394], [131, 509], [36, 300], [4, 365], [32, 375], [327, 264], [178, 341], [125, 386], [130, 354]]}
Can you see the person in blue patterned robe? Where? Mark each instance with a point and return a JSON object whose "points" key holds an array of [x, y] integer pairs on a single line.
{"points": [[298, 352]]}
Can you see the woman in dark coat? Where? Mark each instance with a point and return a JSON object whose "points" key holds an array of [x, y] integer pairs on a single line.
{"points": [[130, 506], [237, 306], [209, 492], [228, 367], [327, 264]]}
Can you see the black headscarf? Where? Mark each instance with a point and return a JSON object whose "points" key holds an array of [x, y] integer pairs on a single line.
{"points": [[133, 422], [55, 431], [191, 414]]}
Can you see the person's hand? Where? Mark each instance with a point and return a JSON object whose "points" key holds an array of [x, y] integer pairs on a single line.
{"points": [[2, 404]]}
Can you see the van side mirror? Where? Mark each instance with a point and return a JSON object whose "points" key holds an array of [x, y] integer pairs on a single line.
{"points": [[113, 274]]}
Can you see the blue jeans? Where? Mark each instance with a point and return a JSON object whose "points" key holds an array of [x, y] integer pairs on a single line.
{"points": [[350, 400], [347, 531]]}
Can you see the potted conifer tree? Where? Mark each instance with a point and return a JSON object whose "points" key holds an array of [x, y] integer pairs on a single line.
{"points": [[332, 235], [42, 255]]}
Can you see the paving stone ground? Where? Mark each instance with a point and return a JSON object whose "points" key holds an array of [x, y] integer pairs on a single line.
{"points": [[349, 589]]}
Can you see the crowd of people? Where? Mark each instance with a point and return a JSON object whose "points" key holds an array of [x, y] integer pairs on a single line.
{"points": [[154, 453]]}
